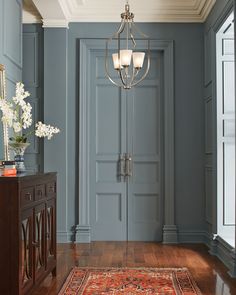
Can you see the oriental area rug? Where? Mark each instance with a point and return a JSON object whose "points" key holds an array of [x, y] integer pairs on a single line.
{"points": [[129, 281]]}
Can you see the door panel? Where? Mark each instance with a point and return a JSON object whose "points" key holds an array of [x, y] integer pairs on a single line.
{"points": [[108, 120], [125, 122], [145, 172], [144, 194], [107, 193], [145, 121]]}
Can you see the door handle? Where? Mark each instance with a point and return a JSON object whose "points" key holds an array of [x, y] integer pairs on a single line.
{"points": [[125, 166], [122, 165], [128, 165]]}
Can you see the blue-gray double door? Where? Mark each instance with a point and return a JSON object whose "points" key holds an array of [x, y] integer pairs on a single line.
{"points": [[125, 121]]}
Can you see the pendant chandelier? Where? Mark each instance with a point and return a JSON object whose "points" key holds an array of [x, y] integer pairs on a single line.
{"points": [[127, 61]]}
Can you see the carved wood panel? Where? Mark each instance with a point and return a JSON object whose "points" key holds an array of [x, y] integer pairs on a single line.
{"points": [[50, 231], [27, 249], [39, 239]]}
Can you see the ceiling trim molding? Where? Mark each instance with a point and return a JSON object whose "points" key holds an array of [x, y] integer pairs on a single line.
{"points": [[207, 9], [197, 12], [55, 23], [30, 18], [159, 11], [69, 6]]}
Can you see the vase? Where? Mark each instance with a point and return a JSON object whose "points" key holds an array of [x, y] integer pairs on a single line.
{"points": [[19, 151]]}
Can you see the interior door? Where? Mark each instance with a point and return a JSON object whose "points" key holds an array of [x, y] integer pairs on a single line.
{"points": [[107, 143], [125, 122], [144, 144]]}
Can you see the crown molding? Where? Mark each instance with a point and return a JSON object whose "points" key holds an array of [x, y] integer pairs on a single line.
{"points": [[207, 9], [55, 23], [30, 18], [69, 6], [192, 11], [53, 15], [60, 12], [30, 13]]}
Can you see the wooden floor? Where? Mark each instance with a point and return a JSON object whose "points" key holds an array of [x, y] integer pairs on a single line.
{"points": [[209, 273]]}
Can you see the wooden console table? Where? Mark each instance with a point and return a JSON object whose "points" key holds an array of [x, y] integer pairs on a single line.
{"points": [[27, 231]]}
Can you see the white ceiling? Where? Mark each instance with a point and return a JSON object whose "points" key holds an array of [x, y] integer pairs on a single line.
{"points": [[59, 13]]}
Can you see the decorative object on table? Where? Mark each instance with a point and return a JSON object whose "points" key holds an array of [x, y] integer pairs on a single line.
{"points": [[16, 113], [129, 281], [4, 152], [127, 62], [7, 168], [19, 150]]}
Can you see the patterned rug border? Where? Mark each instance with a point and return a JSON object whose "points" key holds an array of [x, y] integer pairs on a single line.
{"points": [[64, 285]]}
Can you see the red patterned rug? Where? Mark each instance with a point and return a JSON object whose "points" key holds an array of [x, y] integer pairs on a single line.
{"points": [[128, 281]]}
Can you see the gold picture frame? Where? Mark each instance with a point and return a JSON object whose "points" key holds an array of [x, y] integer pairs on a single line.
{"points": [[4, 132]]}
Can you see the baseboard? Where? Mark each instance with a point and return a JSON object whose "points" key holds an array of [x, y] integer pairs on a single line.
{"points": [[64, 237], [225, 253], [208, 239], [170, 234], [82, 234], [193, 236], [232, 264]]}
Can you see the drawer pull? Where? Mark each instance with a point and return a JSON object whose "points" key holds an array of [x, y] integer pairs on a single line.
{"points": [[51, 189], [39, 193], [28, 196]]}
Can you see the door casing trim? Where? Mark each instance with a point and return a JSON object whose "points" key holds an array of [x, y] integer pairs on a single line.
{"points": [[170, 234]]}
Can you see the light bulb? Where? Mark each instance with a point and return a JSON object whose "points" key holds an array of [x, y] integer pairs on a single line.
{"points": [[116, 61], [138, 59], [125, 57]]}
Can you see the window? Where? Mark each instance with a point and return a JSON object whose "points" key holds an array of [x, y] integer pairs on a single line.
{"points": [[226, 132]]}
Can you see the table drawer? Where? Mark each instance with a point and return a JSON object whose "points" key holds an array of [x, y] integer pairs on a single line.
{"points": [[40, 192], [27, 196], [51, 188]]}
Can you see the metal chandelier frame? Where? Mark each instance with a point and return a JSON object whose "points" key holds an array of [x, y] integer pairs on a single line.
{"points": [[129, 77]]}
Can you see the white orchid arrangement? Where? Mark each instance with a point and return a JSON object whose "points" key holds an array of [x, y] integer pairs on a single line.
{"points": [[17, 115]]}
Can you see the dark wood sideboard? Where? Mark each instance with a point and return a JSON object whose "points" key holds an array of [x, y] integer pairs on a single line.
{"points": [[27, 231]]}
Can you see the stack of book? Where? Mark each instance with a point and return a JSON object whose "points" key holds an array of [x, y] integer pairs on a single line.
{"points": [[7, 168]]}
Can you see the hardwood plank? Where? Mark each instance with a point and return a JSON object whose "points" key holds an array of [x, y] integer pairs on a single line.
{"points": [[208, 272]]}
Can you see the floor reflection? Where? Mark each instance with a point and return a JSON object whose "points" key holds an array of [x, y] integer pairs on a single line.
{"points": [[221, 286]]}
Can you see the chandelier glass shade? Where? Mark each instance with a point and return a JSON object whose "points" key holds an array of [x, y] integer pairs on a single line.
{"points": [[127, 60]]}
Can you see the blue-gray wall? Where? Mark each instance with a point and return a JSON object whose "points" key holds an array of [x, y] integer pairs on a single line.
{"points": [[195, 119], [58, 151], [11, 42], [61, 83], [51, 71], [195, 147], [32, 77]]}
